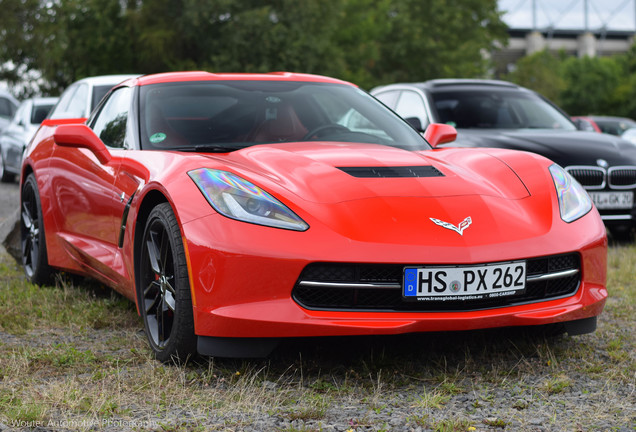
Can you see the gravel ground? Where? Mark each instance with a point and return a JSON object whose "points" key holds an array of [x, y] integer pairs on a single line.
{"points": [[489, 380]]}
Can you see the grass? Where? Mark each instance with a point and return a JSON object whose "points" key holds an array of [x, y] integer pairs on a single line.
{"points": [[73, 356]]}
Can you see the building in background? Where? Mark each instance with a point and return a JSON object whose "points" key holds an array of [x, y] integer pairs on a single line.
{"points": [[579, 28]]}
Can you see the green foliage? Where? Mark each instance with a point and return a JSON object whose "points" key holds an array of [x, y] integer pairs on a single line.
{"points": [[591, 82], [366, 41], [541, 72], [582, 86]]}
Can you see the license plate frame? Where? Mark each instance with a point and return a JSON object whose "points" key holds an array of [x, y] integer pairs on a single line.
{"points": [[464, 282], [614, 200]]}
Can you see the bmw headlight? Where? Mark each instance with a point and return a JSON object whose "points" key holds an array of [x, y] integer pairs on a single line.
{"points": [[574, 202], [239, 199]]}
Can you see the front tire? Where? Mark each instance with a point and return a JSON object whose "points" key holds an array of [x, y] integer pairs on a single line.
{"points": [[164, 288], [5, 176], [33, 241]]}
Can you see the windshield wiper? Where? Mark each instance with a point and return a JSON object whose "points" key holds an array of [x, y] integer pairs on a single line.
{"points": [[211, 148]]}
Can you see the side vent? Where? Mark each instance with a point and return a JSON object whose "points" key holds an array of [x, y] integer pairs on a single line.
{"points": [[392, 172]]}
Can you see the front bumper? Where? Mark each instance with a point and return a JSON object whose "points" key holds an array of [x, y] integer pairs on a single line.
{"points": [[242, 277]]}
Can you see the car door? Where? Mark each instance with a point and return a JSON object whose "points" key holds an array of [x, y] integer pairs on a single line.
{"points": [[88, 208]]}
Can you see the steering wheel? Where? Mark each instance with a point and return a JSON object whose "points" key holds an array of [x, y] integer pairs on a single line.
{"points": [[317, 131]]}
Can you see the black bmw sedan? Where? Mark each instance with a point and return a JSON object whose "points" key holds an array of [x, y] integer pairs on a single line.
{"points": [[489, 113]]}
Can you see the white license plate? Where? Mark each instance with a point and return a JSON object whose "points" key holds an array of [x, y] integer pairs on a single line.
{"points": [[612, 200], [465, 282]]}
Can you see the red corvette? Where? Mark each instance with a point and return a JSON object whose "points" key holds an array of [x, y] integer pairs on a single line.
{"points": [[239, 209]]}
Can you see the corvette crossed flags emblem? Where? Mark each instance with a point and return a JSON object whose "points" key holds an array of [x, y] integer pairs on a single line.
{"points": [[459, 229]]}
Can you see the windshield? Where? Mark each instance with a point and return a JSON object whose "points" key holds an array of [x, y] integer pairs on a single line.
{"points": [[498, 109], [229, 115]]}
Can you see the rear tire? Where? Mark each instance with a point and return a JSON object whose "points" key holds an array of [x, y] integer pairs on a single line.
{"points": [[163, 293], [33, 240]]}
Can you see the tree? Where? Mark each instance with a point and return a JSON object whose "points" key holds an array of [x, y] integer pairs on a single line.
{"points": [[591, 83], [438, 39], [541, 73], [366, 41]]}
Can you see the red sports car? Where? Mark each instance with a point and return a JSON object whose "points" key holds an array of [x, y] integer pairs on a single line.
{"points": [[238, 209]]}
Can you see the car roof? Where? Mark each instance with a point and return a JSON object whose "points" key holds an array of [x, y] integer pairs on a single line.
{"points": [[609, 118], [106, 79], [43, 100], [207, 76], [455, 84], [6, 94]]}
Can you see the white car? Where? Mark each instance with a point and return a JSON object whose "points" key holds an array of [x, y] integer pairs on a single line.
{"points": [[19, 132], [81, 97]]}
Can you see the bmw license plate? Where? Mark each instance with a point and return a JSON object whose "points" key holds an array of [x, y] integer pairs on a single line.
{"points": [[612, 200], [464, 282]]}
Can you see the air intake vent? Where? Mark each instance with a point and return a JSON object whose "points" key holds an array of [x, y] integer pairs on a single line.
{"points": [[393, 172]]}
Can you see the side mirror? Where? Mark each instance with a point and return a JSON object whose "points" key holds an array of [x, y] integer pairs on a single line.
{"points": [[438, 133], [81, 136]]}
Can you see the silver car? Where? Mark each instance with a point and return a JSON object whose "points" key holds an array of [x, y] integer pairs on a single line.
{"points": [[8, 105]]}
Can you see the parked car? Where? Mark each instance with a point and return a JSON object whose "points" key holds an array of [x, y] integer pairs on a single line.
{"points": [[605, 124], [8, 105], [81, 97], [489, 113], [237, 209], [19, 132]]}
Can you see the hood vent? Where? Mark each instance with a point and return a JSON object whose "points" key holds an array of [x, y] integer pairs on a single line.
{"points": [[392, 172]]}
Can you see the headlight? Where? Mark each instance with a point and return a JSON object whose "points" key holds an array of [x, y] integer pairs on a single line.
{"points": [[237, 198], [574, 202]]}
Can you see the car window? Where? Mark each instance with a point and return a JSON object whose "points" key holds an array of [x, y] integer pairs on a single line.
{"points": [[6, 108], [72, 103], [77, 105], [110, 123], [615, 127], [388, 98], [498, 109], [98, 94], [62, 105], [411, 105], [39, 113]]}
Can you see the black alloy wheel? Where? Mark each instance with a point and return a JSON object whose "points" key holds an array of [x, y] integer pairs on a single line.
{"points": [[164, 289], [34, 255]]}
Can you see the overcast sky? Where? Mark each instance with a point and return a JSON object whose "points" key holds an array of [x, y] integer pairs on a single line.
{"points": [[569, 14]]}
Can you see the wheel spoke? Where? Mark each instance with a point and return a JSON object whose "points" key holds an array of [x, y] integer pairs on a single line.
{"points": [[161, 315], [152, 303], [153, 328], [165, 248], [26, 251], [169, 301], [26, 217], [153, 253]]}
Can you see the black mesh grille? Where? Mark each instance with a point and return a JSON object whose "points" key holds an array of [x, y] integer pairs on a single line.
{"points": [[392, 172], [364, 298], [588, 177], [622, 177]]}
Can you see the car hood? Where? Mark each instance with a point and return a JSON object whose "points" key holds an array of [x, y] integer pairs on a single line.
{"points": [[481, 189], [564, 147], [334, 173]]}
